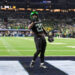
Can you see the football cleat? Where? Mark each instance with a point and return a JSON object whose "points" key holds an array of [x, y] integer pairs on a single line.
{"points": [[32, 64], [43, 66]]}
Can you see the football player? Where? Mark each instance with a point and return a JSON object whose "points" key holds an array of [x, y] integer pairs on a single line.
{"points": [[39, 38]]}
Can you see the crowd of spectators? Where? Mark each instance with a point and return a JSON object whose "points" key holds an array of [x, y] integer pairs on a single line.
{"points": [[60, 24]]}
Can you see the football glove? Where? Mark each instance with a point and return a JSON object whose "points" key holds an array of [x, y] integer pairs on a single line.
{"points": [[50, 38]]}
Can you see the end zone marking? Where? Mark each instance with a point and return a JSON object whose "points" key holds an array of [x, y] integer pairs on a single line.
{"points": [[12, 68], [67, 66]]}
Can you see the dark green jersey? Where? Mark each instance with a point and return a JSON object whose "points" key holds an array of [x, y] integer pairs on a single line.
{"points": [[37, 28]]}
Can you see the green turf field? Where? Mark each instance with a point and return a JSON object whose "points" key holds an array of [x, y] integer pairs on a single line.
{"points": [[24, 46]]}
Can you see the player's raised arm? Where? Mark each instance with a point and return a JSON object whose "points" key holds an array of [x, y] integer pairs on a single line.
{"points": [[30, 25]]}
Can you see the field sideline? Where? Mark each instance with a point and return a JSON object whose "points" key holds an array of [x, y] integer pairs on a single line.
{"points": [[24, 46]]}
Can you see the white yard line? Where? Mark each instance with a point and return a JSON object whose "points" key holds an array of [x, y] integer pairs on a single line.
{"points": [[35, 50], [58, 43], [27, 38], [65, 38], [48, 55], [71, 46]]}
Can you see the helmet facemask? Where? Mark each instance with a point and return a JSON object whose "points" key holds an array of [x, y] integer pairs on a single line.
{"points": [[34, 15]]}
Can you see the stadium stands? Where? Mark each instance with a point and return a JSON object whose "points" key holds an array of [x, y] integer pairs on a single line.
{"points": [[61, 23]]}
